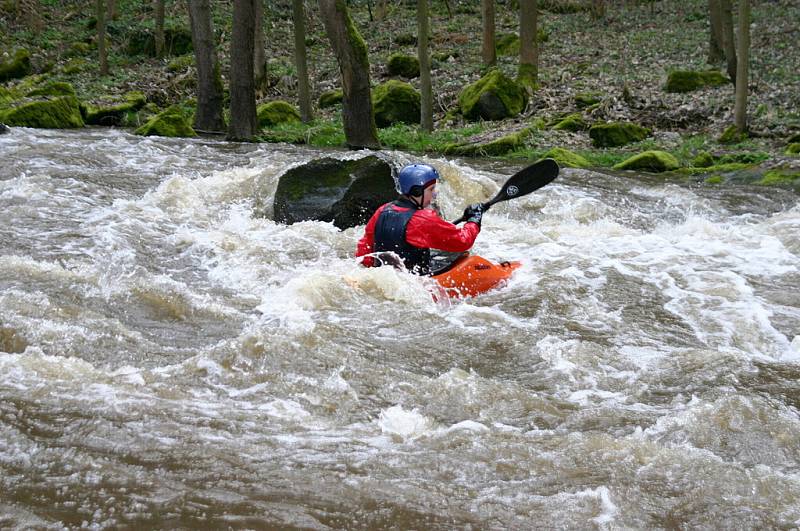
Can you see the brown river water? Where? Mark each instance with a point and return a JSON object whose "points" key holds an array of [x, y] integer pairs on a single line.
{"points": [[169, 358]]}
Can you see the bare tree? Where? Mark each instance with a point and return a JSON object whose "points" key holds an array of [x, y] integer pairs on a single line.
{"points": [[101, 37], [715, 47], [528, 43], [159, 35], [426, 103], [742, 68], [351, 54], [303, 92], [208, 116], [244, 124], [488, 51], [728, 40]]}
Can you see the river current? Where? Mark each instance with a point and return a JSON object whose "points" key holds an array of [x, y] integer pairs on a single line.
{"points": [[170, 357]]}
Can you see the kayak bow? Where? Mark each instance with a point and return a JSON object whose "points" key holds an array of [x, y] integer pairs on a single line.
{"points": [[471, 275]]}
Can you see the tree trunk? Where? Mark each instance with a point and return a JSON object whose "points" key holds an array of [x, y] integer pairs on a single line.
{"points": [[113, 12], [742, 68], [380, 10], [303, 92], [351, 54], [243, 125], [528, 43], [715, 50], [599, 9], [728, 40], [426, 103], [259, 48], [159, 36], [208, 116], [488, 52], [101, 37]]}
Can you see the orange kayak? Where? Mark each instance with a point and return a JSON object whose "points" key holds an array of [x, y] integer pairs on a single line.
{"points": [[471, 275]]}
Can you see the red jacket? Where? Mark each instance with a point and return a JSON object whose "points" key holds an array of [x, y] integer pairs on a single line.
{"points": [[425, 229]]}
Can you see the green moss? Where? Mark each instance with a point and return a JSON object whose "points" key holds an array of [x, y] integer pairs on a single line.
{"points": [[395, 102], [330, 98], [616, 134], [179, 64], [652, 161], [492, 97], [703, 160], [587, 99], [53, 88], [715, 179], [717, 168], [573, 122], [507, 45], [17, 66], [403, 65], [793, 149], [499, 146], [277, 112], [779, 178], [73, 66], [528, 76], [688, 80], [566, 158], [731, 135], [113, 113], [61, 112], [79, 48], [171, 122]]}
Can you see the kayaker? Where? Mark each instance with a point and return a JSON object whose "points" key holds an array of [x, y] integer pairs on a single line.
{"points": [[409, 227]]}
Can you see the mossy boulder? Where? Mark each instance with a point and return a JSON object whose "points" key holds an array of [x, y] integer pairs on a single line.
{"points": [[653, 161], [731, 135], [74, 66], [345, 192], [113, 113], [566, 158], [79, 48], [16, 66], [60, 112], [330, 98], [689, 80], [277, 112], [403, 65], [170, 122], [780, 177], [793, 149], [573, 123], [498, 146], [406, 39], [587, 99], [704, 159], [615, 134], [495, 96], [181, 63], [177, 41], [53, 88], [395, 102]]}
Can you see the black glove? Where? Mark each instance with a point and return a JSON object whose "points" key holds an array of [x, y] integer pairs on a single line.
{"points": [[474, 213]]}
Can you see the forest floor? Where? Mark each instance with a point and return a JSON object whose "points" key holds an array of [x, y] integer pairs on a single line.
{"points": [[623, 59]]}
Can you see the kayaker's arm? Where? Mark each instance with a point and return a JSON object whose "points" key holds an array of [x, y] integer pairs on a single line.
{"points": [[427, 230]]}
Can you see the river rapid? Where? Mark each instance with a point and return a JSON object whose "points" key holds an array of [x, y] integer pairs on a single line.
{"points": [[172, 358]]}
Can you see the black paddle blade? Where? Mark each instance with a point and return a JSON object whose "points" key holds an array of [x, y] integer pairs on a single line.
{"points": [[523, 182]]}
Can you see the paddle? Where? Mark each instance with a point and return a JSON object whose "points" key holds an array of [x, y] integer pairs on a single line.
{"points": [[523, 182]]}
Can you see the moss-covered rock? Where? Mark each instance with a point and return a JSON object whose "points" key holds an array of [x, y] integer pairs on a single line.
{"points": [[60, 112], [170, 122], [406, 39], [113, 113], [16, 66], [653, 161], [793, 149], [330, 98], [53, 88], [587, 99], [79, 48], [493, 97], [615, 134], [566, 158], [704, 159], [400, 64], [507, 45], [781, 177], [493, 148], [689, 80], [181, 63], [74, 66], [395, 102], [277, 112], [731, 135], [573, 122]]}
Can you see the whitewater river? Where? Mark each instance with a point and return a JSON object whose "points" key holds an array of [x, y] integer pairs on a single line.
{"points": [[172, 358]]}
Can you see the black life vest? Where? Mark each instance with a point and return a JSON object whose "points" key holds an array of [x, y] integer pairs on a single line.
{"points": [[390, 236]]}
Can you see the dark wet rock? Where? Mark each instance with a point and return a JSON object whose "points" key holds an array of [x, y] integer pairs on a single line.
{"points": [[345, 192], [4, 129]]}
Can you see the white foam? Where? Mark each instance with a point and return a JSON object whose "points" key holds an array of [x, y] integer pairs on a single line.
{"points": [[404, 425]]}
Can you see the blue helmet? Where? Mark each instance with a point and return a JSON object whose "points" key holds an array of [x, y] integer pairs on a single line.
{"points": [[414, 178]]}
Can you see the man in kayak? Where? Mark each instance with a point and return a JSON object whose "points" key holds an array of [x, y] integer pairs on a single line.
{"points": [[410, 228]]}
